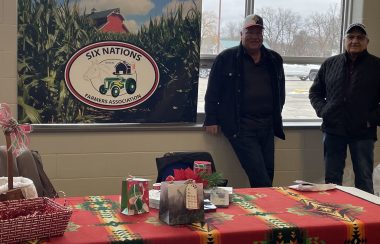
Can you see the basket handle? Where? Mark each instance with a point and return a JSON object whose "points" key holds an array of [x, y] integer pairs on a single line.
{"points": [[64, 197]]}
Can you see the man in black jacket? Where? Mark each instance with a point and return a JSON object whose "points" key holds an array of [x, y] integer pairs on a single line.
{"points": [[244, 99], [346, 95]]}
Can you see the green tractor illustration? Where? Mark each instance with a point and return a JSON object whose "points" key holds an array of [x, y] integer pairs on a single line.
{"points": [[124, 78], [116, 84]]}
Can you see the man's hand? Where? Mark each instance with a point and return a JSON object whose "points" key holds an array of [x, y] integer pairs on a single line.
{"points": [[212, 129]]}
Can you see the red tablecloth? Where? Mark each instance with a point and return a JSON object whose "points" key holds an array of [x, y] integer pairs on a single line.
{"points": [[256, 215]]}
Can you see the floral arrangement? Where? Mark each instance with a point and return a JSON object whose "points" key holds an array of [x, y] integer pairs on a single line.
{"points": [[208, 180]]}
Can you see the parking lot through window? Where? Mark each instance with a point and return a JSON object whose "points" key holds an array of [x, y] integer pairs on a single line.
{"points": [[304, 35]]}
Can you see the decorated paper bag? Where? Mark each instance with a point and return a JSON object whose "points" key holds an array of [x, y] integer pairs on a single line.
{"points": [[181, 202], [134, 196]]}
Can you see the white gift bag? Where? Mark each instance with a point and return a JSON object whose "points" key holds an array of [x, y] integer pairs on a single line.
{"points": [[26, 185]]}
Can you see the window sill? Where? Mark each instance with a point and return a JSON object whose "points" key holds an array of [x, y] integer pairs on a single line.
{"points": [[300, 124], [57, 128]]}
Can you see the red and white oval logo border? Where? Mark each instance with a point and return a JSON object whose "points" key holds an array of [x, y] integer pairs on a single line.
{"points": [[111, 75]]}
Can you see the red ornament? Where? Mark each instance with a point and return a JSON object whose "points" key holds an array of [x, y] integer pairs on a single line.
{"points": [[170, 178]]}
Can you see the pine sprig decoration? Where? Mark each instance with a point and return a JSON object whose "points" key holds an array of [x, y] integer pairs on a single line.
{"points": [[213, 179]]}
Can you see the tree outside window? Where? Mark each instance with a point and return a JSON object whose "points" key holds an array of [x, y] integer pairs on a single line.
{"points": [[292, 28]]}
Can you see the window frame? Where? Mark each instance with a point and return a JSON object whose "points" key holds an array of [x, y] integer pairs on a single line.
{"points": [[206, 60]]}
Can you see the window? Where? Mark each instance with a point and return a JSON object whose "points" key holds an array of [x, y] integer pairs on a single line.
{"points": [[221, 21], [304, 34]]}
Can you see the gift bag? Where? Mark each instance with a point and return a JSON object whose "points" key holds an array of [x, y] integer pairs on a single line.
{"points": [[134, 196], [181, 202]]}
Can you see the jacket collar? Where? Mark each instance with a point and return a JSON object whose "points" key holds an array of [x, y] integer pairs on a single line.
{"points": [[358, 59], [242, 51]]}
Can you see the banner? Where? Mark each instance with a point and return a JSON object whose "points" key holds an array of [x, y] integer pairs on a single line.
{"points": [[119, 61]]}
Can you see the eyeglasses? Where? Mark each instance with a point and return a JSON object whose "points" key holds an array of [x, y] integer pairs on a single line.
{"points": [[358, 37], [253, 33]]}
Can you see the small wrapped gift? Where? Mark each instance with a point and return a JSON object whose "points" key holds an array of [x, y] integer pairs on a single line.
{"points": [[154, 199], [207, 192], [220, 197], [134, 196], [181, 202], [202, 167]]}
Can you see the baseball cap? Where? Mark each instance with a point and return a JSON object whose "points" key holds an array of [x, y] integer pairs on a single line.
{"points": [[253, 20], [356, 26]]}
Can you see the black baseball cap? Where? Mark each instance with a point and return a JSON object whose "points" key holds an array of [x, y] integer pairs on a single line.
{"points": [[356, 26]]}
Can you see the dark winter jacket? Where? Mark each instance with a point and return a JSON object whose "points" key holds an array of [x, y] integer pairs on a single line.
{"points": [[348, 107], [223, 97]]}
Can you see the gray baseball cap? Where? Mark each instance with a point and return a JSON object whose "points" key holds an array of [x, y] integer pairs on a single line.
{"points": [[253, 20]]}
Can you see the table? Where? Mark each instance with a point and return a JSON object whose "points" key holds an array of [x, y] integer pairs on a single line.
{"points": [[256, 215]]}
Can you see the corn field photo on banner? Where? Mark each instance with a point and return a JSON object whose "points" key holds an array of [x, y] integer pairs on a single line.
{"points": [[119, 61]]}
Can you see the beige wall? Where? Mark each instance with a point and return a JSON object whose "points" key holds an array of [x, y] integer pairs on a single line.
{"points": [[84, 163], [367, 12]]}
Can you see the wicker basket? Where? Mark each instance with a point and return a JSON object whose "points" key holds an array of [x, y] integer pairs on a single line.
{"points": [[32, 219]]}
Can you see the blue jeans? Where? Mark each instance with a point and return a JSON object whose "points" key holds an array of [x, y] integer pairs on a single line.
{"points": [[335, 153], [255, 151]]}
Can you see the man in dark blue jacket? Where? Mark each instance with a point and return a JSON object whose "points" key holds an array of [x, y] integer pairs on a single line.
{"points": [[244, 99], [346, 95]]}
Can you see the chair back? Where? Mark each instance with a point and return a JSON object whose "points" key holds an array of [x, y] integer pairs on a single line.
{"points": [[29, 165], [180, 160]]}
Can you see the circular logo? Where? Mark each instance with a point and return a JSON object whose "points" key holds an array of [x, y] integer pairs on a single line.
{"points": [[111, 75]]}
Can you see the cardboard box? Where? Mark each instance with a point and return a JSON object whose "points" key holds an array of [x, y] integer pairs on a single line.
{"points": [[154, 199]]}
